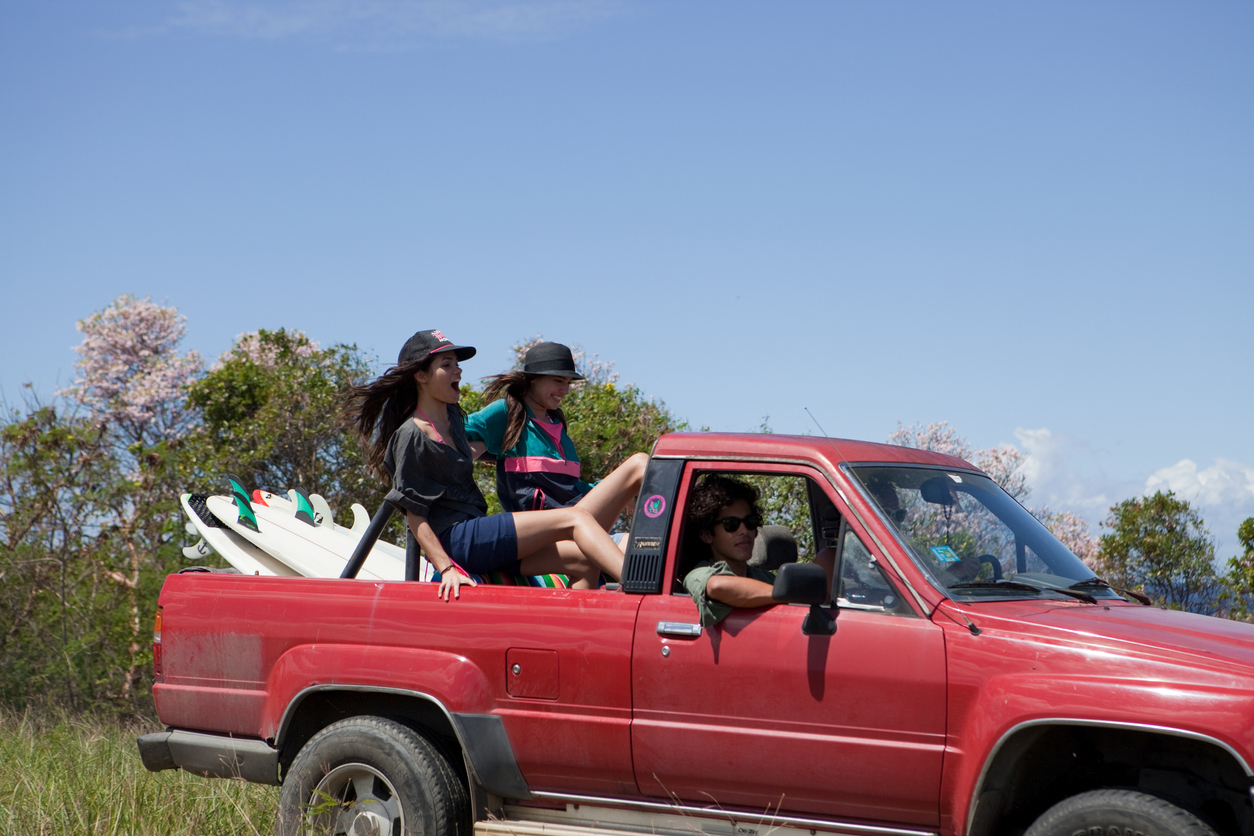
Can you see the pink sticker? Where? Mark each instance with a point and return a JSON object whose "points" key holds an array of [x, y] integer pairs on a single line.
{"points": [[654, 506]]}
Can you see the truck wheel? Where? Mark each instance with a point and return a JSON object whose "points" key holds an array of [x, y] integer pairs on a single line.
{"points": [[367, 776], [1120, 812]]}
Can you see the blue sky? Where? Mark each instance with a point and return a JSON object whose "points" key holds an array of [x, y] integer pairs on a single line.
{"points": [[1033, 220]]}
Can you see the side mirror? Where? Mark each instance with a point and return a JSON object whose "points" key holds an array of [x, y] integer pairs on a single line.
{"points": [[805, 583]]}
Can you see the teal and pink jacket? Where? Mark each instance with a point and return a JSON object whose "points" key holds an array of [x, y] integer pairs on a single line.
{"points": [[540, 471]]}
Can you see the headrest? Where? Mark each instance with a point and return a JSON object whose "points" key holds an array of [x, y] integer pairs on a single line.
{"points": [[774, 547]]}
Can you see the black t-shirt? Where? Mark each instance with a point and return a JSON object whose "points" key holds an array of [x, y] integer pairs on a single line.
{"points": [[431, 479]]}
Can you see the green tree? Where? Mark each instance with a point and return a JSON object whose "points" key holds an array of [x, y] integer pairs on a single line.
{"points": [[269, 413], [1160, 545], [1239, 580], [49, 463], [86, 539]]}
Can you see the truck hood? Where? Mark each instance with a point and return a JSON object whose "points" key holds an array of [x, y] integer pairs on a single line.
{"points": [[1154, 631]]}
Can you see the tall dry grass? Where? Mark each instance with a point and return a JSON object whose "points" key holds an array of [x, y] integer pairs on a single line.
{"points": [[68, 776]]}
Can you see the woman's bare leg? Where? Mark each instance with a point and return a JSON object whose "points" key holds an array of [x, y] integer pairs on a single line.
{"points": [[611, 495], [562, 558], [540, 531]]}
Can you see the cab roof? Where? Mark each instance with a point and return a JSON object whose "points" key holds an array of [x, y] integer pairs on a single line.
{"points": [[813, 448]]}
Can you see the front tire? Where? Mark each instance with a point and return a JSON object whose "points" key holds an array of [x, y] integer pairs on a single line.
{"points": [[1117, 811], [368, 776]]}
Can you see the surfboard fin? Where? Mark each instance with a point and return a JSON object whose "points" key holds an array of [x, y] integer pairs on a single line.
{"points": [[361, 519], [304, 508], [198, 551], [323, 515], [247, 518]]}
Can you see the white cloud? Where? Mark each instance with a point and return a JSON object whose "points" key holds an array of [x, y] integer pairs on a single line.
{"points": [[1051, 469], [388, 20], [1067, 474], [1223, 492]]}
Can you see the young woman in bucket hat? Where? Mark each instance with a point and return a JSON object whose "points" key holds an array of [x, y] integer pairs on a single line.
{"points": [[409, 422], [524, 428]]}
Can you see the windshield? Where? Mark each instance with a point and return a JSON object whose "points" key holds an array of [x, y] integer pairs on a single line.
{"points": [[972, 538]]}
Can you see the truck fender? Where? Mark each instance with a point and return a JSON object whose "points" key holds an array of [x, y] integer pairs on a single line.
{"points": [[450, 680], [975, 827], [485, 747]]}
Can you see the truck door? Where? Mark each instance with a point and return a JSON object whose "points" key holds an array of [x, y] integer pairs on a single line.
{"points": [[753, 714]]}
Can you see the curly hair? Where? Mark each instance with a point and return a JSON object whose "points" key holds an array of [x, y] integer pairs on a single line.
{"points": [[714, 493]]}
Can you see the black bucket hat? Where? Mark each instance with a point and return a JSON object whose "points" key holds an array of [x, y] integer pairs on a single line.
{"points": [[550, 358], [425, 343]]}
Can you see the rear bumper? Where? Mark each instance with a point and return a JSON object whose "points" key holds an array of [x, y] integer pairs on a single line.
{"points": [[210, 755]]}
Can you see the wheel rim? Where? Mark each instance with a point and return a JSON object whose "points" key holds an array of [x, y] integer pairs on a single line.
{"points": [[355, 799]]}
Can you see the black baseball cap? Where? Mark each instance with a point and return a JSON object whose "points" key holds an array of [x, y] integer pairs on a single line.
{"points": [[425, 343], [550, 358]]}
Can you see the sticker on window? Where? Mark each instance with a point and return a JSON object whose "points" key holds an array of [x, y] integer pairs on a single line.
{"points": [[945, 554]]}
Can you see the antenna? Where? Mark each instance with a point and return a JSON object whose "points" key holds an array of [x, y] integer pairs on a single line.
{"points": [[839, 455]]}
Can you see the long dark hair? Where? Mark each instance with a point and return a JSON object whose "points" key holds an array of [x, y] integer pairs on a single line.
{"points": [[513, 387], [374, 410]]}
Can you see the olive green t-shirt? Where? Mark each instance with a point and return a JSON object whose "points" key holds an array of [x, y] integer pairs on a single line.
{"points": [[712, 612]]}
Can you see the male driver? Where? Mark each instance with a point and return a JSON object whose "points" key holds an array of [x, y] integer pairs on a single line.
{"points": [[724, 514]]}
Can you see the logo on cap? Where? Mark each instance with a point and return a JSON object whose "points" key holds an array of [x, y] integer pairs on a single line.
{"points": [[439, 335]]}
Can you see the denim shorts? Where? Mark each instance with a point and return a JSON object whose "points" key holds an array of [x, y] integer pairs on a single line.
{"points": [[483, 544]]}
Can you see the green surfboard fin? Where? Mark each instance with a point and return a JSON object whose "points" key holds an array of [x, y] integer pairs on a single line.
{"points": [[247, 518], [304, 508]]}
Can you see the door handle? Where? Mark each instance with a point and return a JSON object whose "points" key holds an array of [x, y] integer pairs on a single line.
{"points": [[678, 629]]}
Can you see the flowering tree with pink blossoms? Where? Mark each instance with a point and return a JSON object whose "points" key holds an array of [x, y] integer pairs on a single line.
{"points": [[131, 388], [131, 376]]}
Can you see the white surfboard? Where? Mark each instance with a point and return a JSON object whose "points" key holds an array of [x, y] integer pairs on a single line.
{"points": [[306, 558], [379, 565], [386, 560], [323, 512], [234, 549], [311, 551]]}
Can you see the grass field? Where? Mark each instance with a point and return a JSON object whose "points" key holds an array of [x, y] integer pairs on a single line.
{"points": [[84, 777]]}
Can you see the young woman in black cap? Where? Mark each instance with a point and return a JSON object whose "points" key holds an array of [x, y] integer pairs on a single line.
{"points": [[409, 423], [524, 428]]}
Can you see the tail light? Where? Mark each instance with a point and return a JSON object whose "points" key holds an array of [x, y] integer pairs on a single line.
{"points": [[156, 647]]}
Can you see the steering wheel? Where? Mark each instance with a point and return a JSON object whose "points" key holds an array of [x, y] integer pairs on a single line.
{"points": [[995, 563]]}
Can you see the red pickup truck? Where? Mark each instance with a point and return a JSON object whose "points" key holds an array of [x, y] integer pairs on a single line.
{"points": [[966, 675]]}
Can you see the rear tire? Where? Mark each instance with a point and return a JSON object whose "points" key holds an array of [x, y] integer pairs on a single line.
{"points": [[1118, 813], [368, 776]]}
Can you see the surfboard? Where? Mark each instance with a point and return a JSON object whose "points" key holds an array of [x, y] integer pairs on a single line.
{"points": [[234, 549], [386, 560], [305, 558], [380, 564]]}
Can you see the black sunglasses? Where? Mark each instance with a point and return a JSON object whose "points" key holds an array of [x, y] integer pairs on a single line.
{"points": [[730, 524]]}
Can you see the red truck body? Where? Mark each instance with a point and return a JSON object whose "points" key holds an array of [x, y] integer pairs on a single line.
{"points": [[943, 717]]}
